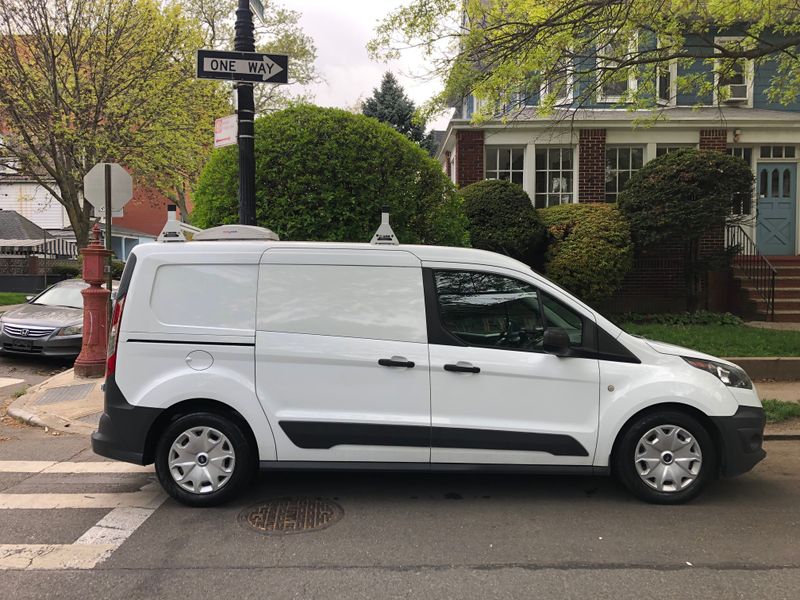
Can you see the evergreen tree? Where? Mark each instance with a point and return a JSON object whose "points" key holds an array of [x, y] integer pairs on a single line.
{"points": [[390, 105]]}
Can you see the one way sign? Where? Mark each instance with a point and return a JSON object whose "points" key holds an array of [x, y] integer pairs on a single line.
{"points": [[243, 66]]}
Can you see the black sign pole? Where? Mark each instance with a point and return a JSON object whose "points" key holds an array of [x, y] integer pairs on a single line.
{"points": [[245, 41], [107, 176]]}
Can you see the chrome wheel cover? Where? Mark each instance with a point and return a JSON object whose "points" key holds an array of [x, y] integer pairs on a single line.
{"points": [[201, 460], [668, 458]]}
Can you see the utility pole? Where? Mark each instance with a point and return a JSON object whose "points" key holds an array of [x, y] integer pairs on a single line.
{"points": [[245, 41]]}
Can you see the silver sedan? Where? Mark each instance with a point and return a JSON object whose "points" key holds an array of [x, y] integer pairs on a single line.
{"points": [[50, 324]]}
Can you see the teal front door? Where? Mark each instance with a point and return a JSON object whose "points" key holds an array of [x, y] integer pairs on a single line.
{"points": [[777, 208]]}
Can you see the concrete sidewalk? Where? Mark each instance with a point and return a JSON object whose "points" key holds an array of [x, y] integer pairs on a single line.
{"points": [[74, 405], [63, 402]]}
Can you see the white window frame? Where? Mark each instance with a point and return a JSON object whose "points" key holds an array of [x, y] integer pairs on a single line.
{"points": [[511, 170], [547, 194], [630, 170], [749, 72], [672, 67], [672, 148], [772, 157], [568, 98], [633, 82]]}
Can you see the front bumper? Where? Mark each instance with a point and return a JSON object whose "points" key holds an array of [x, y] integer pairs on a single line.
{"points": [[742, 435], [123, 430], [52, 346]]}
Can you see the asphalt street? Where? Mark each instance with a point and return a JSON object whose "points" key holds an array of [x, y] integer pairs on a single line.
{"points": [[401, 536]]}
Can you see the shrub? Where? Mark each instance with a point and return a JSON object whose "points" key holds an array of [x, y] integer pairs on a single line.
{"points": [[117, 266], [324, 174], [502, 219], [700, 317], [70, 269], [589, 251], [682, 196]]}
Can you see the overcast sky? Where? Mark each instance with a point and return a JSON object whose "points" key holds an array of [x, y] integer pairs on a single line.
{"points": [[341, 30]]}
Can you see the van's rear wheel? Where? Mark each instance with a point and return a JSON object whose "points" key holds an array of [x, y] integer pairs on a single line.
{"points": [[204, 459], [666, 457]]}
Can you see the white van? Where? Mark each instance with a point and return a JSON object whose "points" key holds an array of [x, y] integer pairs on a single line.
{"points": [[231, 356]]}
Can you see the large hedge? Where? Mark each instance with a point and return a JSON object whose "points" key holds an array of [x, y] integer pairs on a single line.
{"points": [[502, 219], [684, 194], [324, 174], [589, 251]]}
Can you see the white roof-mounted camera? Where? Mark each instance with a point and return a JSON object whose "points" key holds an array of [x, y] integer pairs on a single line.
{"points": [[385, 235], [236, 233]]}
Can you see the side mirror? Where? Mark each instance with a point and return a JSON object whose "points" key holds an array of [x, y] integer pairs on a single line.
{"points": [[28, 298], [556, 341]]}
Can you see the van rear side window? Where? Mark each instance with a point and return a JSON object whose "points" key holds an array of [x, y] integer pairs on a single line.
{"points": [[380, 303], [213, 296]]}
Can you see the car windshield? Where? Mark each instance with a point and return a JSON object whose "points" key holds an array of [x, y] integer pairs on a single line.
{"points": [[61, 295]]}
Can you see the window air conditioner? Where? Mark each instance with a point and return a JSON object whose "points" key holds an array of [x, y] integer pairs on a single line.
{"points": [[737, 93]]}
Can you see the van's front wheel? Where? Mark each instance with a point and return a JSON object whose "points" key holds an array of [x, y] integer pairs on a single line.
{"points": [[666, 458], [204, 459]]}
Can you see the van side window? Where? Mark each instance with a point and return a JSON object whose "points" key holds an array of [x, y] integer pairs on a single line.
{"points": [[210, 296], [485, 309], [370, 302], [557, 314]]}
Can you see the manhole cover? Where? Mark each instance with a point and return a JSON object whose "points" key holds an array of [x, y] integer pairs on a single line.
{"points": [[291, 515]]}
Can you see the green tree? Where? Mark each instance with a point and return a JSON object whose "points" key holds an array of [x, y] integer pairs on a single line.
{"points": [[685, 195], [502, 219], [87, 81], [324, 174], [389, 104], [504, 50]]}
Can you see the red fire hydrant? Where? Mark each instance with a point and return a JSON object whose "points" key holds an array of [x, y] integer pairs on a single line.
{"points": [[91, 362]]}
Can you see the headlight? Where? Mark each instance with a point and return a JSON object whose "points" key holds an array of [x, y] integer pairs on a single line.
{"points": [[727, 374], [72, 330]]}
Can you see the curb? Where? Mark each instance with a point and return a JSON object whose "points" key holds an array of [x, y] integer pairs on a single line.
{"points": [[18, 409], [781, 436], [778, 368], [26, 417]]}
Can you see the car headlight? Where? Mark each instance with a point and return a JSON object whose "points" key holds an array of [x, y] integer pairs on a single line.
{"points": [[71, 330], [727, 374]]}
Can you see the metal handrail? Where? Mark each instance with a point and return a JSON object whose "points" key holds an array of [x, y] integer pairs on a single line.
{"points": [[755, 265]]}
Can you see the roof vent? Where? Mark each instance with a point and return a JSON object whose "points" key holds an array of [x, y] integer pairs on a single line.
{"points": [[236, 233], [385, 235]]}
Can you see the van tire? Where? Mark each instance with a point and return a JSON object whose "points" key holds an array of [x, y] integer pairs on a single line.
{"points": [[634, 457], [224, 435]]}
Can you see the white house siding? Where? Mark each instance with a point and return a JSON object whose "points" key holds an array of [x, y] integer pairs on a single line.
{"points": [[33, 202]]}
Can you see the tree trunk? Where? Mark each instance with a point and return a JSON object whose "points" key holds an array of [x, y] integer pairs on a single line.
{"points": [[180, 201], [79, 217]]}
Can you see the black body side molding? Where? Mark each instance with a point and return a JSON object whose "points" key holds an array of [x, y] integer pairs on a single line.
{"points": [[326, 435]]}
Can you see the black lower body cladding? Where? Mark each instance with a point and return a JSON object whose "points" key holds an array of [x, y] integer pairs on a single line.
{"points": [[742, 435], [123, 429]]}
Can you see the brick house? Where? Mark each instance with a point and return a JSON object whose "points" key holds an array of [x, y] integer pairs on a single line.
{"points": [[587, 154]]}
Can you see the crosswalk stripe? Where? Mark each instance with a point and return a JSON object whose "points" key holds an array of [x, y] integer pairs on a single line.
{"points": [[46, 466], [144, 498], [53, 556], [131, 510]]}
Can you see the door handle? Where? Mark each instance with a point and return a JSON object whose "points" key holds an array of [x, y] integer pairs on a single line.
{"points": [[462, 367], [396, 361]]}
